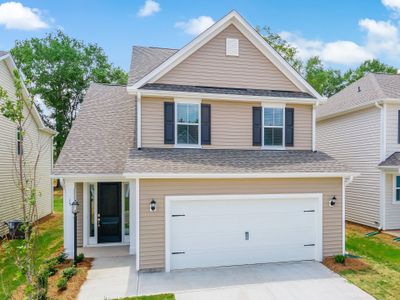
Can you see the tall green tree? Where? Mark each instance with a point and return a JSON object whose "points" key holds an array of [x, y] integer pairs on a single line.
{"points": [[327, 82], [286, 50], [59, 70], [368, 66]]}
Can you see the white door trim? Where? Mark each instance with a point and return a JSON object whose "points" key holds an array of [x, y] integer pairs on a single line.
{"points": [[169, 199]]}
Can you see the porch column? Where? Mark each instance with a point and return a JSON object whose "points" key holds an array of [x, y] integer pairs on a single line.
{"points": [[68, 197], [132, 217]]}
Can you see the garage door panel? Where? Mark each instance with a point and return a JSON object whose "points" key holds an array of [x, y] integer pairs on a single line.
{"points": [[206, 233]]}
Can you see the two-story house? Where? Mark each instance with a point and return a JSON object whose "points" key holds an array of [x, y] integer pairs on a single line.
{"points": [[360, 126], [38, 143], [206, 158]]}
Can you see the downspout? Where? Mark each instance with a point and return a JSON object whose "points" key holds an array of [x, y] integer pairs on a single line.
{"points": [[139, 120], [382, 205], [314, 132]]}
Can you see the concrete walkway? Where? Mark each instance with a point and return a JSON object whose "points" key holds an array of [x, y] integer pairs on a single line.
{"points": [[114, 276]]}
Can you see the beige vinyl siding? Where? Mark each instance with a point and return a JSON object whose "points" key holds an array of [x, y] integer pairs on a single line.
{"points": [[354, 139], [79, 221], [231, 124], [392, 208], [152, 224], [210, 66], [392, 121], [35, 140]]}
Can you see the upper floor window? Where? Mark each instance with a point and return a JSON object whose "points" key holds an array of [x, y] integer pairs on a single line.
{"points": [[187, 124], [273, 126], [397, 189]]}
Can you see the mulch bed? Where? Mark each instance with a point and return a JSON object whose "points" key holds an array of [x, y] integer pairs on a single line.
{"points": [[74, 283], [351, 264]]}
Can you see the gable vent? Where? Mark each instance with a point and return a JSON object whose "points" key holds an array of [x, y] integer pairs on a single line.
{"points": [[232, 47]]}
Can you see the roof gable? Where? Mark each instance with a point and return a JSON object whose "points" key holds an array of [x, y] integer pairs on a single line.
{"points": [[233, 18], [210, 66], [11, 66]]}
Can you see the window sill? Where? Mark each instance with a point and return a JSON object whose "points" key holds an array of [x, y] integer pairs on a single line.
{"points": [[183, 146], [272, 148]]}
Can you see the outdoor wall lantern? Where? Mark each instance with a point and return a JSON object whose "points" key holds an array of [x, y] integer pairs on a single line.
{"points": [[153, 205], [332, 202], [74, 207]]}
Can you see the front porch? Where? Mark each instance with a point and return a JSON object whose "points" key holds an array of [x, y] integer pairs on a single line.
{"points": [[105, 219]]}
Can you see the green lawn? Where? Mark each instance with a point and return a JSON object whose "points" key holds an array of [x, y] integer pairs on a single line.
{"points": [[50, 242], [382, 279], [153, 297]]}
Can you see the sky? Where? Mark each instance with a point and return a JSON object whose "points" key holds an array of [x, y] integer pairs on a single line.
{"points": [[342, 32]]}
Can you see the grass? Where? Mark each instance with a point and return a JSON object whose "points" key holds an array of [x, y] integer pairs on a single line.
{"points": [[153, 297], [382, 254], [50, 242]]}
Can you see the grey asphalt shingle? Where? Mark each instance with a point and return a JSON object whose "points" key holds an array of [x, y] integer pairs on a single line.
{"points": [[162, 160], [2, 53], [101, 135], [146, 59], [392, 161], [224, 90], [367, 90]]}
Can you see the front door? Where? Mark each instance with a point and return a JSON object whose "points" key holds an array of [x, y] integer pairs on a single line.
{"points": [[109, 212]]}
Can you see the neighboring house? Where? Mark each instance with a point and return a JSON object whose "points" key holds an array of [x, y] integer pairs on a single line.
{"points": [[205, 159], [38, 138], [360, 126]]}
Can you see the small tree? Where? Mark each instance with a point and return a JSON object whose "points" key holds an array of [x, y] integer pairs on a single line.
{"points": [[26, 159]]}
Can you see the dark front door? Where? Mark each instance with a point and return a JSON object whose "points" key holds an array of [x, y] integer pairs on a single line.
{"points": [[109, 212]]}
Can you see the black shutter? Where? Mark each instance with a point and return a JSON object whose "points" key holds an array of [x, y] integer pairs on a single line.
{"points": [[289, 126], [206, 124], [257, 124], [169, 123], [398, 127]]}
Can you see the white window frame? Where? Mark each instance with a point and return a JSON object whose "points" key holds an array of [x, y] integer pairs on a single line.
{"points": [[89, 240], [125, 238], [187, 101], [272, 105], [395, 188]]}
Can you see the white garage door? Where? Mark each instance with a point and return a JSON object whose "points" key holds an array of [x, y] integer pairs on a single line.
{"points": [[206, 231]]}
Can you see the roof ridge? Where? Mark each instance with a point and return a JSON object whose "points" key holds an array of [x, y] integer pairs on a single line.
{"points": [[376, 84], [155, 47]]}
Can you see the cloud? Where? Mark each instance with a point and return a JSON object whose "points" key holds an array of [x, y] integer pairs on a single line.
{"points": [[195, 26], [149, 8], [382, 40], [13, 15], [392, 4], [382, 37], [345, 52]]}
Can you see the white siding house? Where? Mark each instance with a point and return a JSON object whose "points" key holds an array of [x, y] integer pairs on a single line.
{"points": [[38, 138], [360, 127]]}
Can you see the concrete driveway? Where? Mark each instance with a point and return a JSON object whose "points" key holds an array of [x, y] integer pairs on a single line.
{"points": [[114, 276]]}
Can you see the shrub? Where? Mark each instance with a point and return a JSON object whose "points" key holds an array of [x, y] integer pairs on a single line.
{"points": [[51, 267], [42, 284], [80, 257], [69, 272], [340, 259], [61, 257], [62, 283]]}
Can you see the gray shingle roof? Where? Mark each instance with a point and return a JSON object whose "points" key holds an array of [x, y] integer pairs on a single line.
{"points": [[224, 90], [392, 161], [101, 135], [151, 160], [146, 59], [2, 53], [367, 90]]}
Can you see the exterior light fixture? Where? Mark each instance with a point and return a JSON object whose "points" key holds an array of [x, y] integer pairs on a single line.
{"points": [[332, 202], [74, 208], [153, 205]]}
